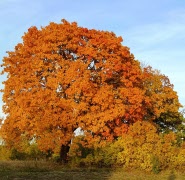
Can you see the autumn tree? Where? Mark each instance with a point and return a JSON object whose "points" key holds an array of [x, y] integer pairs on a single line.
{"points": [[62, 77], [163, 104]]}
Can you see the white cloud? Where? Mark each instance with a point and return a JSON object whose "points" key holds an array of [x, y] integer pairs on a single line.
{"points": [[162, 45], [151, 36]]}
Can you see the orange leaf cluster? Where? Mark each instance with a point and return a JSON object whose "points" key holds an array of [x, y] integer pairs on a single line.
{"points": [[62, 77]]}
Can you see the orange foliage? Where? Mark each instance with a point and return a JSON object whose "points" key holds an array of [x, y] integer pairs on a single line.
{"points": [[62, 77]]}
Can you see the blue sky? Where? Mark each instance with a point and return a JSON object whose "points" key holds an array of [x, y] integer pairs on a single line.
{"points": [[153, 30]]}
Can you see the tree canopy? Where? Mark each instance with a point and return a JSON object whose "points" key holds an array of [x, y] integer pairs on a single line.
{"points": [[63, 76]]}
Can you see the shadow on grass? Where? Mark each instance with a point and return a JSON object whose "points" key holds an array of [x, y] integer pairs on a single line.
{"points": [[55, 175], [23, 170], [42, 170]]}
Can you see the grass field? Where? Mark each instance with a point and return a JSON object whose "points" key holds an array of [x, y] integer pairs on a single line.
{"points": [[31, 170]]}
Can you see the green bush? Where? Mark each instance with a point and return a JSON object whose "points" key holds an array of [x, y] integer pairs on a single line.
{"points": [[17, 155]]}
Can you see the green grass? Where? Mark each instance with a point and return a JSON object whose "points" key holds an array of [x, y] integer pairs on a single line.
{"points": [[42, 170]]}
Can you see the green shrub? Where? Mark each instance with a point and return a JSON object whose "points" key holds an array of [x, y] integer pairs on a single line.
{"points": [[17, 155]]}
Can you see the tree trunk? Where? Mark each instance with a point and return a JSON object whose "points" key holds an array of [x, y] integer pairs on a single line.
{"points": [[64, 150]]}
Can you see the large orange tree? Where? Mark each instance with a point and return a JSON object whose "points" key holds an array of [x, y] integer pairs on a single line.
{"points": [[62, 77]]}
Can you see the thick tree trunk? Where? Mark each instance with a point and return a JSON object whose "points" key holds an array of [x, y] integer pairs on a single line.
{"points": [[64, 153]]}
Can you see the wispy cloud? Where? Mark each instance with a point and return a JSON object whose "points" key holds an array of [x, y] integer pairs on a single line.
{"points": [[162, 45], [152, 36]]}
